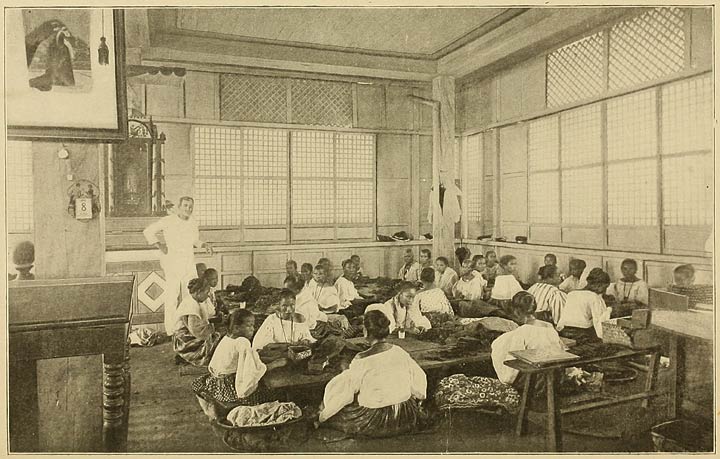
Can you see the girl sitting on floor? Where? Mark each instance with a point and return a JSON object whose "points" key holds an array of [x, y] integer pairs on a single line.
{"points": [[195, 337], [550, 299], [469, 286], [506, 283], [235, 370], [425, 258], [306, 273], [446, 276], [401, 311], [377, 396], [324, 291], [431, 299], [629, 289], [283, 326], [585, 310]]}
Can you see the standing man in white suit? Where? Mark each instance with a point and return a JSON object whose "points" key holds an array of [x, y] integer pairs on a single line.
{"points": [[177, 255]]}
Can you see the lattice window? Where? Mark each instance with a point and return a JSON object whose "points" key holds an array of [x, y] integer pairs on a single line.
{"points": [[355, 202], [313, 202], [632, 193], [543, 144], [217, 151], [687, 115], [312, 154], [544, 197], [488, 211], [253, 98], [218, 201], [457, 154], [647, 47], [326, 103], [575, 71], [632, 126], [582, 196], [473, 187], [265, 201], [265, 153], [19, 176], [687, 190], [355, 155], [581, 136]]}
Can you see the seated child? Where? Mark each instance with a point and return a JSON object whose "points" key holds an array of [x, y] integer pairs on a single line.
{"points": [[283, 326], [425, 258], [585, 310], [345, 287], [479, 264], [358, 266], [469, 285], [235, 370], [431, 298], [327, 264], [684, 275], [575, 271], [446, 276], [410, 270], [629, 289], [549, 298], [506, 283], [306, 273], [551, 260], [291, 269], [323, 291], [212, 304]]}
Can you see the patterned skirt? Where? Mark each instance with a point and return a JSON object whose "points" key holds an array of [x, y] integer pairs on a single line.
{"points": [[389, 421], [461, 391], [580, 335], [193, 350], [222, 389]]}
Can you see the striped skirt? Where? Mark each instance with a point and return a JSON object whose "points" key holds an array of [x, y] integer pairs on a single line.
{"points": [[194, 351]]}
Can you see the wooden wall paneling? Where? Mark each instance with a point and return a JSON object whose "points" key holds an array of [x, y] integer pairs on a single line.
{"points": [[424, 111], [513, 198], [165, 100], [177, 149], [415, 184], [399, 107], [227, 279], [372, 262], [371, 106], [513, 149], [177, 186], [511, 230], [136, 95], [355, 233], [586, 237], [265, 262], [201, 95], [305, 256], [313, 234], [394, 201], [265, 234], [686, 239], [701, 37], [533, 85], [236, 262], [646, 239], [540, 233], [510, 93], [393, 156]]}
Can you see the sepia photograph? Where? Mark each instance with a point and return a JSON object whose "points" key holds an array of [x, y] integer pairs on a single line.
{"points": [[360, 229]]}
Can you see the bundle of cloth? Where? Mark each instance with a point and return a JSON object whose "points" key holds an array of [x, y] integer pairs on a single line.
{"points": [[265, 414]]}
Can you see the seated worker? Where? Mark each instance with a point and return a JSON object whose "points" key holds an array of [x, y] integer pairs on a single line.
{"points": [[629, 289], [431, 298], [195, 337], [479, 264], [291, 269], [358, 266], [328, 265], [532, 334], [323, 291], [212, 304], [425, 258], [491, 267], [551, 260], [235, 370], [469, 286], [549, 298], [377, 396], [319, 323], [306, 273], [506, 282], [345, 287], [446, 276], [684, 276], [585, 310], [401, 312], [410, 270], [461, 253], [575, 271], [283, 326]]}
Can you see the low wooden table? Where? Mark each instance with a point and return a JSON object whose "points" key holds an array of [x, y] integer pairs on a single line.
{"points": [[422, 351], [554, 411]]}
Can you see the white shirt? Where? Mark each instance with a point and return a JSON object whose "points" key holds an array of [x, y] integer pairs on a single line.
{"points": [[584, 309], [506, 286], [308, 306], [326, 296], [236, 356], [277, 330], [180, 235], [346, 292], [410, 273], [447, 280], [629, 291], [432, 300], [539, 335], [397, 315], [571, 283], [470, 290], [379, 380]]}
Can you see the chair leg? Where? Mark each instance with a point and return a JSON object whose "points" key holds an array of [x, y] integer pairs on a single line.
{"points": [[554, 428], [521, 426], [651, 377]]}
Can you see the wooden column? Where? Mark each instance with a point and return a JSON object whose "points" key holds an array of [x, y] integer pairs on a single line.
{"points": [[443, 88]]}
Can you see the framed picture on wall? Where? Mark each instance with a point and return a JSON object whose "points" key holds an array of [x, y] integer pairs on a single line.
{"points": [[64, 74]]}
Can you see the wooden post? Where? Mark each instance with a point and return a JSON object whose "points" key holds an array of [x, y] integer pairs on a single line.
{"points": [[443, 163]]}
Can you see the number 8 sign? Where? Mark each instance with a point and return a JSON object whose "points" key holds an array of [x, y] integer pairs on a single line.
{"points": [[84, 202]]}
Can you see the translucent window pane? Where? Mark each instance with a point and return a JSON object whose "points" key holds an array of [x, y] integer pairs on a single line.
{"points": [[632, 126], [218, 201], [632, 193], [265, 201], [312, 154], [457, 154], [543, 144], [265, 153], [218, 151], [580, 136], [688, 190], [355, 202], [582, 196], [473, 188], [355, 155], [544, 197], [19, 183], [313, 202], [575, 71], [687, 115]]}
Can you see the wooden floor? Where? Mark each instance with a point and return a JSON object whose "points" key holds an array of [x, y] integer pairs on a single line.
{"points": [[165, 417]]}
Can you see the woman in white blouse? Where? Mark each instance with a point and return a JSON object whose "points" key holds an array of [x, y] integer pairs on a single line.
{"points": [[470, 286], [585, 310], [506, 283], [283, 326], [630, 289], [446, 276], [379, 394]]}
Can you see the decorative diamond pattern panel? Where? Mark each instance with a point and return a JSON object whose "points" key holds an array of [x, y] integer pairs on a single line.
{"points": [[355, 202], [575, 71], [688, 190], [325, 103], [582, 196], [581, 136], [253, 98], [687, 115], [632, 193], [647, 47], [544, 197], [19, 176], [543, 144], [313, 202], [473, 188], [265, 201], [218, 201], [312, 154], [150, 290], [355, 155], [217, 151], [632, 126], [265, 153]]}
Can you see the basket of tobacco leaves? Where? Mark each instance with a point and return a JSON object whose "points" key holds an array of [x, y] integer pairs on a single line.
{"points": [[276, 437]]}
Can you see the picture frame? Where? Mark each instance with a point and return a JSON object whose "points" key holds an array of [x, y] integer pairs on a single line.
{"points": [[81, 101]]}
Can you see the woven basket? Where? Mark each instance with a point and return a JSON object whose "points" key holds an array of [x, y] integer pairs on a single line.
{"points": [[695, 293], [296, 353], [615, 334], [680, 436], [277, 437]]}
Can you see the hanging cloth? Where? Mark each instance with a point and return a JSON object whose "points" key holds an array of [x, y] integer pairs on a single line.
{"points": [[449, 203]]}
